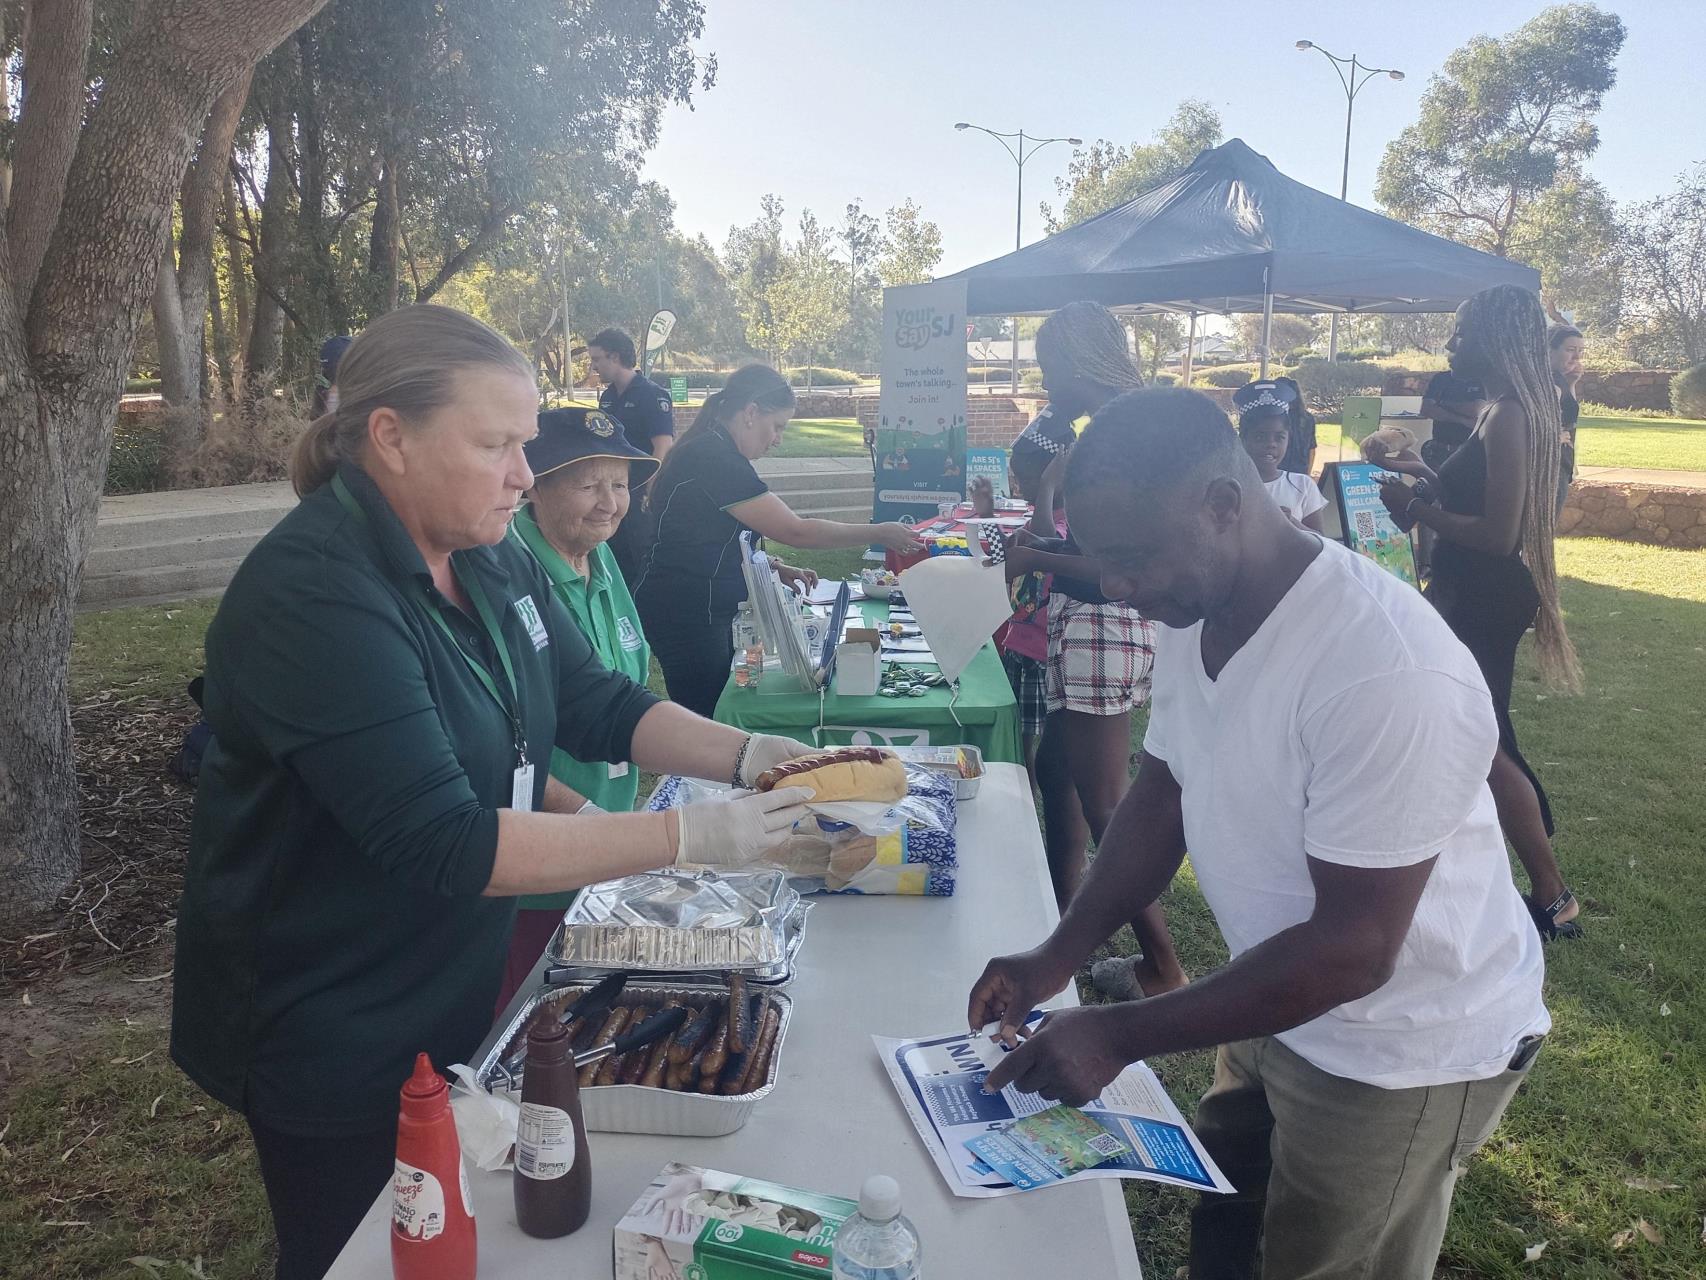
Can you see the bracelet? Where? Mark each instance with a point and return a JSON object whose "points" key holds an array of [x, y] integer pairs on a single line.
{"points": [[1411, 506], [740, 761]]}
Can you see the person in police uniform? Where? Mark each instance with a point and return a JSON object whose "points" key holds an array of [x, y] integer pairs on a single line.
{"points": [[387, 675], [647, 418], [586, 478]]}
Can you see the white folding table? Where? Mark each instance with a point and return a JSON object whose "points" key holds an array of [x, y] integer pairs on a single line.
{"points": [[890, 966]]}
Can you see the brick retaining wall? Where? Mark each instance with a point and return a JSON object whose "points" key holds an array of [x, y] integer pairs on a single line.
{"points": [[1663, 515]]}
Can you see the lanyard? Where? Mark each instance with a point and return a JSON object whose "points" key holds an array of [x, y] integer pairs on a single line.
{"points": [[511, 707], [552, 561]]}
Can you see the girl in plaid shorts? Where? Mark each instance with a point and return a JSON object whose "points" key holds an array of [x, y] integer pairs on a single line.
{"points": [[1100, 651]]}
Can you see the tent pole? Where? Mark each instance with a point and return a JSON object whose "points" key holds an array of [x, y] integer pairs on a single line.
{"points": [[1190, 348], [1267, 317]]}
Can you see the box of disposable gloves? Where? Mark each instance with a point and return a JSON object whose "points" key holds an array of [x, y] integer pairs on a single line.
{"points": [[694, 1222]]}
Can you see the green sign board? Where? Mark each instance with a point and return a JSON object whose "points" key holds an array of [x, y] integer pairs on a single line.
{"points": [[677, 389]]}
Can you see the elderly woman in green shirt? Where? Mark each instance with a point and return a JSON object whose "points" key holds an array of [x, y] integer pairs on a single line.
{"points": [[584, 473]]}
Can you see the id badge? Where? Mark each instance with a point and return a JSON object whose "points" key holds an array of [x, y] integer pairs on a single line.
{"points": [[619, 769], [521, 789]]}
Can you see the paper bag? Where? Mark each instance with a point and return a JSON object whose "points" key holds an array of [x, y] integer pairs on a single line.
{"points": [[959, 602]]}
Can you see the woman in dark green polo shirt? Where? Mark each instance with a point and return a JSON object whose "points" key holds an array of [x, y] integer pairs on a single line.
{"points": [[691, 581], [584, 471], [385, 675]]}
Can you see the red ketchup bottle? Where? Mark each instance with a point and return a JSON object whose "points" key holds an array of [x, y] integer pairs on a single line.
{"points": [[432, 1217]]}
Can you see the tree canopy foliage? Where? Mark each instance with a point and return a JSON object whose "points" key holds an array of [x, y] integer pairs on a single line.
{"points": [[1104, 175]]}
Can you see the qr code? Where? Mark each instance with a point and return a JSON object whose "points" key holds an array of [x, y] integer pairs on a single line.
{"points": [[1365, 525], [1105, 1144]]}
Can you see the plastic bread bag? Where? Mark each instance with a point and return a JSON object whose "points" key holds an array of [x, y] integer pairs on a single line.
{"points": [[907, 847]]}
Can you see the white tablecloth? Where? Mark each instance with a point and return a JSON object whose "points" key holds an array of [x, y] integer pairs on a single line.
{"points": [[889, 966]]}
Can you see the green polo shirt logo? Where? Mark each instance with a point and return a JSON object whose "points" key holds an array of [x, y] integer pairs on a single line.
{"points": [[628, 635], [533, 622]]}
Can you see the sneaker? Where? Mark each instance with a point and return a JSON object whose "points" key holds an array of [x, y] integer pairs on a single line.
{"points": [[1116, 978]]}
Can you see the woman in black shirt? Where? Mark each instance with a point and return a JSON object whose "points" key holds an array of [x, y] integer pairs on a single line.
{"points": [[691, 581], [1493, 574]]}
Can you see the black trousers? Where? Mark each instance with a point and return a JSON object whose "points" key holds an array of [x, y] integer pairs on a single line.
{"points": [[694, 653], [319, 1190]]}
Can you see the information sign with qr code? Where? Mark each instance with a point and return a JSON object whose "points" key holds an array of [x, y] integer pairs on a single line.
{"points": [[1369, 527]]}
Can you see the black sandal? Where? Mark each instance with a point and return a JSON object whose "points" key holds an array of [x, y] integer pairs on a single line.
{"points": [[1546, 918]]}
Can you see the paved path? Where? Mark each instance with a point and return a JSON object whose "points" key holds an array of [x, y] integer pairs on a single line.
{"points": [[157, 547], [1645, 476]]}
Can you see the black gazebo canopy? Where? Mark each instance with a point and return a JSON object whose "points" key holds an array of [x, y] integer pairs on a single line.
{"points": [[1233, 233]]}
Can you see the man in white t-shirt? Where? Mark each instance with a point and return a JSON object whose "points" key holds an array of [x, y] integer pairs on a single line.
{"points": [[1319, 741]]}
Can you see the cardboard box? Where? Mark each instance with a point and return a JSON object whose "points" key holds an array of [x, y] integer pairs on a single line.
{"points": [[858, 663], [720, 1226]]}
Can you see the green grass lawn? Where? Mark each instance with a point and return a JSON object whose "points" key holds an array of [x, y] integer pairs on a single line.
{"points": [[1669, 444], [108, 1154], [821, 438]]}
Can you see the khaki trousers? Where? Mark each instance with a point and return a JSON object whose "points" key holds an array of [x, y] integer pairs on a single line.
{"points": [[1337, 1180]]}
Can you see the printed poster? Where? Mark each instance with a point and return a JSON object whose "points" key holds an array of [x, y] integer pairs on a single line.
{"points": [[921, 411], [1368, 527], [990, 465]]}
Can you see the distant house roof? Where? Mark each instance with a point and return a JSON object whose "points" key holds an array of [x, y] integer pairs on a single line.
{"points": [[1209, 344]]}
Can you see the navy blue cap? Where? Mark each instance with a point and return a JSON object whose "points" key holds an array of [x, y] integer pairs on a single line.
{"points": [[1264, 398], [331, 352], [571, 435]]}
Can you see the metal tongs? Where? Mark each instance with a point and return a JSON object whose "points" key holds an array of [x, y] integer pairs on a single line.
{"points": [[666, 1022], [594, 1003]]}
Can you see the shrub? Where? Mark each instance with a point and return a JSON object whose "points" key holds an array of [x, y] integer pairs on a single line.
{"points": [[1352, 353], [1164, 380], [238, 447], [1031, 380], [1228, 376], [1688, 392], [821, 377], [701, 379], [141, 386], [137, 462], [1326, 383]]}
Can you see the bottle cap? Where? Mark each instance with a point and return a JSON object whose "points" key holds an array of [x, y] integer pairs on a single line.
{"points": [[879, 1198], [425, 1093]]}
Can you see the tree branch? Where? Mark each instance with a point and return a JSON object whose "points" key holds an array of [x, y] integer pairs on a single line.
{"points": [[467, 253], [100, 264], [56, 50]]}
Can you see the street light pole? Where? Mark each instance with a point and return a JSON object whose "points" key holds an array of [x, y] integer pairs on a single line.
{"points": [[1020, 154], [1353, 76]]}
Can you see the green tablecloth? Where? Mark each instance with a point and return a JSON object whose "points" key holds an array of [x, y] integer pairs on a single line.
{"points": [[988, 718]]}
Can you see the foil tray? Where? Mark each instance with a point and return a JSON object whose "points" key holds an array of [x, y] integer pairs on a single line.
{"points": [[684, 923], [635, 1108]]}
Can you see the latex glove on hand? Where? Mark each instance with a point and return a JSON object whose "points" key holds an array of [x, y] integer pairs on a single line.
{"points": [[765, 751], [738, 832]]}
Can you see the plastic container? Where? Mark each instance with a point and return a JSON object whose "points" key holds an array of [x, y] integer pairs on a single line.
{"points": [[878, 1243], [553, 1168], [432, 1215]]}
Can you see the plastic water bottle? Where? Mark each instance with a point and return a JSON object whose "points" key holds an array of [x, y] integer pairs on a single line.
{"points": [[877, 1243]]}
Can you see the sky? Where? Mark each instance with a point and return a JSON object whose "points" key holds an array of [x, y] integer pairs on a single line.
{"points": [[827, 101]]}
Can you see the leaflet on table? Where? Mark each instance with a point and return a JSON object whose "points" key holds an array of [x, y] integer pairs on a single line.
{"points": [[940, 1083]]}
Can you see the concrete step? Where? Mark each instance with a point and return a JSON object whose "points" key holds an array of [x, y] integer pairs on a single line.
{"points": [[815, 502], [161, 582], [142, 518], [105, 560], [803, 481]]}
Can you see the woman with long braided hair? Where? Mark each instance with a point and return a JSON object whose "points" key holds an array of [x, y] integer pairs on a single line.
{"points": [[1493, 507], [1100, 651]]}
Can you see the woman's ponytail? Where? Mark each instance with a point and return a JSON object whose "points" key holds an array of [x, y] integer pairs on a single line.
{"points": [[315, 459], [757, 384]]}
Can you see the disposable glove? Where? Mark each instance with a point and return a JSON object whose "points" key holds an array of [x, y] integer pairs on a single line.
{"points": [[737, 832]]}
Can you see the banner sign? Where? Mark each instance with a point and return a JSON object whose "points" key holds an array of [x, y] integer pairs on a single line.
{"points": [[921, 412], [1368, 526], [677, 388]]}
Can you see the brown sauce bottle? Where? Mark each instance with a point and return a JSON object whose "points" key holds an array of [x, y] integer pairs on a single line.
{"points": [[553, 1169]]}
